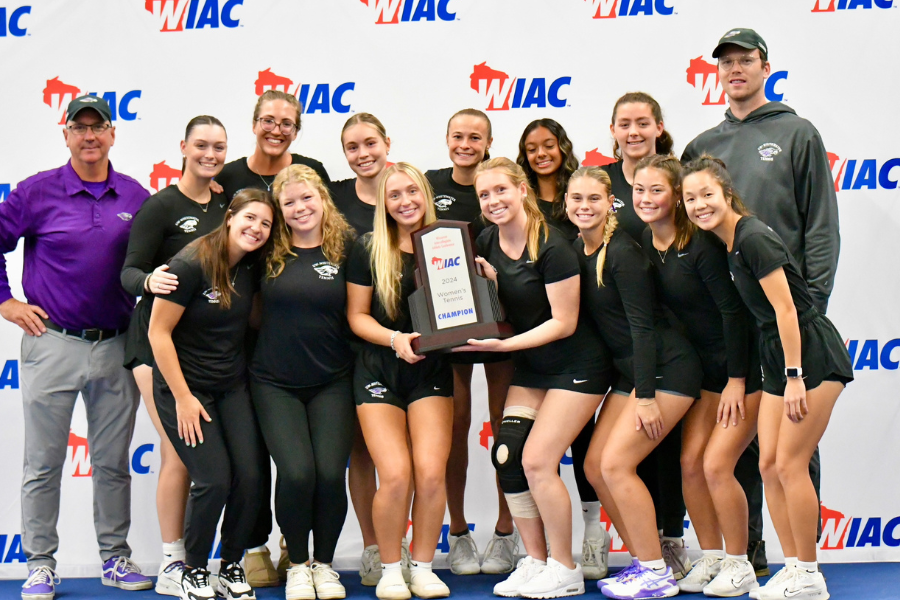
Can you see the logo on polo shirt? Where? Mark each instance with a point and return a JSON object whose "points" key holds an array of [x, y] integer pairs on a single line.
{"points": [[392, 12], [326, 270], [212, 294], [831, 5], [313, 97], [606, 9], [187, 224], [13, 24], [502, 92], [768, 151], [58, 94], [704, 76], [124, 216], [163, 176], [443, 203], [181, 15], [858, 174], [377, 389]]}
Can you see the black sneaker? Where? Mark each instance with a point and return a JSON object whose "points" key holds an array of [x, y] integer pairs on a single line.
{"points": [[195, 585], [756, 554], [233, 583]]}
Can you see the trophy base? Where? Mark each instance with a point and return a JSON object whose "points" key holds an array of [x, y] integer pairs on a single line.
{"points": [[444, 342]]}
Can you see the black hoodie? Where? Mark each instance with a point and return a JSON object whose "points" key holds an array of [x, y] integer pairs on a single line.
{"points": [[781, 171]]}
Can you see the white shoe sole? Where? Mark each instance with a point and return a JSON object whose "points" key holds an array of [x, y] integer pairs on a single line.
{"points": [[300, 595], [334, 594], [744, 589], [489, 569], [468, 569], [593, 573], [131, 587], [167, 587], [574, 589], [394, 595], [695, 588]]}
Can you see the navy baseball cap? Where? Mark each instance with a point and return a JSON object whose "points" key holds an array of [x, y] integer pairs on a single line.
{"points": [[745, 38], [93, 102]]}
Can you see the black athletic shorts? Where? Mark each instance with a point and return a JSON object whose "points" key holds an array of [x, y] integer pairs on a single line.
{"points": [[380, 377], [476, 358], [137, 344], [589, 377], [824, 356], [678, 368], [715, 368]]}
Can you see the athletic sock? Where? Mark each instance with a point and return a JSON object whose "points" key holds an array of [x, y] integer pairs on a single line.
{"points": [[173, 551], [460, 534], [740, 557], [658, 566], [499, 533], [790, 561], [388, 567], [590, 511], [809, 567], [720, 554], [420, 567]]}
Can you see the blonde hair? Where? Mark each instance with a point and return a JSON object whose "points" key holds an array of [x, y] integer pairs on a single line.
{"points": [[669, 166], [384, 243], [601, 176], [335, 228], [535, 223]]}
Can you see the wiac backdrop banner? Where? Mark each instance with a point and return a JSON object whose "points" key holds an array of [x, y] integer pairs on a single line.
{"points": [[413, 63]]}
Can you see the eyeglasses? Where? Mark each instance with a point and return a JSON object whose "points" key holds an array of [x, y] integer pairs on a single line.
{"points": [[287, 127], [97, 128], [746, 62]]}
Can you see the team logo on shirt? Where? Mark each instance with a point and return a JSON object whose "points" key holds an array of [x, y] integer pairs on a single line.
{"points": [[607, 9], [187, 224], [617, 204], [58, 94], [392, 12], [865, 174], [181, 15], [124, 216], [704, 77], [831, 5], [502, 92], [768, 151], [319, 95], [326, 270], [443, 203], [377, 389], [212, 294]]}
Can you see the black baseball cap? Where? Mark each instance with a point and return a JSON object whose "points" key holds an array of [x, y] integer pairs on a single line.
{"points": [[745, 38], [93, 102]]}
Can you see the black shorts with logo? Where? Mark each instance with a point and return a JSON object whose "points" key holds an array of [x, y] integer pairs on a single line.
{"points": [[380, 377], [678, 368]]}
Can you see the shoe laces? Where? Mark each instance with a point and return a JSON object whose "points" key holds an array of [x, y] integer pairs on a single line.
{"points": [[669, 550], [468, 542], [589, 551], [301, 572], [234, 573], [323, 572], [174, 566], [198, 576], [124, 566], [496, 548], [628, 572], [42, 575]]}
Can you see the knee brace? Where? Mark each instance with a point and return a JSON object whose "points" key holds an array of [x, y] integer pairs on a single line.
{"points": [[507, 452]]}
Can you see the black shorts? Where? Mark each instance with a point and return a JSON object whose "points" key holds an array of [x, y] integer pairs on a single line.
{"points": [[137, 344], [379, 377], [824, 356], [678, 368], [715, 368], [589, 378], [476, 358]]}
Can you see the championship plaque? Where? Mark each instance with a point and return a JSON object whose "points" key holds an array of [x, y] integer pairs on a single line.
{"points": [[453, 303]]}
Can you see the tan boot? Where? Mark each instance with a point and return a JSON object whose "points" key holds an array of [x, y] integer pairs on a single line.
{"points": [[284, 561], [259, 570]]}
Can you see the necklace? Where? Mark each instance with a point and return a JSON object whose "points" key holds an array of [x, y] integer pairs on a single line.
{"points": [[663, 255], [268, 185], [203, 207]]}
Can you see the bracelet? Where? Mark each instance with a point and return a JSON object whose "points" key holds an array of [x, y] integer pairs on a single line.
{"points": [[393, 337], [147, 282]]}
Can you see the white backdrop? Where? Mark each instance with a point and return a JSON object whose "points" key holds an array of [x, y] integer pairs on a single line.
{"points": [[413, 63]]}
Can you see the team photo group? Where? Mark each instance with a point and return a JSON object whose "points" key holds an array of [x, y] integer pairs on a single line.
{"points": [[669, 330]]}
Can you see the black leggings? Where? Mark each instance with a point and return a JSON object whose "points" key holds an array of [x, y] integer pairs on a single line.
{"points": [[309, 433], [661, 473], [225, 470], [580, 446]]}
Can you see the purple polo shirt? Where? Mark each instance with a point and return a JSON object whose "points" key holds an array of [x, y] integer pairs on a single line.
{"points": [[74, 245]]}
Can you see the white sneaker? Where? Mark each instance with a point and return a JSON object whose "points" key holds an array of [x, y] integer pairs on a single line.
{"points": [[463, 555], [735, 578], [642, 583], [500, 554], [326, 581], [554, 581], [595, 556], [392, 587], [628, 571], [703, 571], [168, 580], [676, 556], [776, 582], [425, 584], [525, 570], [370, 566], [802, 585], [299, 583], [232, 583], [195, 585], [405, 559]]}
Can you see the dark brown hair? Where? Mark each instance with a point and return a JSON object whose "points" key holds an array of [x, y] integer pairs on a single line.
{"points": [[569, 163], [717, 170], [196, 122], [671, 168], [664, 143], [474, 112]]}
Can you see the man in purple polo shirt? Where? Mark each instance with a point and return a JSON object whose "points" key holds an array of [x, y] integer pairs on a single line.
{"points": [[75, 221]]}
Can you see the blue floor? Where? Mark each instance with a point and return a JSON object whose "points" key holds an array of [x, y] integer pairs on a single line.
{"points": [[861, 581]]}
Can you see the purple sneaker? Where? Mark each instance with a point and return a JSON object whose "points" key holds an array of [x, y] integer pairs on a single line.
{"points": [[120, 572], [40, 585], [621, 575], [643, 583]]}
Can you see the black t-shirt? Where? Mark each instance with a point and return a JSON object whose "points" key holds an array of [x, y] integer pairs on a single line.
{"points": [[237, 175], [303, 340], [522, 290], [757, 251], [167, 222], [694, 283], [360, 215], [454, 201], [567, 228], [209, 340], [359, 271], [625, 309], [624, 204]]}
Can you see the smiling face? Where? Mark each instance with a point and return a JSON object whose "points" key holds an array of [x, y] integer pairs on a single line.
{"points": [[501, 200], [90, 148], [404, 201], [635, 130], [468, 140], [249, 228], [542, 151], [302, 207], [653, 196], [275, 143], [366, 151], [705, 200], [588, 203], [204, 151], [743, 83]]}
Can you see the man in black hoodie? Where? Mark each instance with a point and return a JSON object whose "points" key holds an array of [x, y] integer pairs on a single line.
{"points": [[780, 168]]}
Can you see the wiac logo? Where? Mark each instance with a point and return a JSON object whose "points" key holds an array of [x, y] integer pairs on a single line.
{"points": [[595, 158], [162, 176], [831, 5], [182, 15], [862, 174], [321, 99], [610, 9], [704, 77], [840, 532], [393, 12], [58, 94], [502, 92]]}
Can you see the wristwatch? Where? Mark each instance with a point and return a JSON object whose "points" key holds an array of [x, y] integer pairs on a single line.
{"points": [[793, 372]]}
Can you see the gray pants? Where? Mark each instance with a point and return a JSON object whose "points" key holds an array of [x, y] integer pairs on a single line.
{"points": [[55, 368]]}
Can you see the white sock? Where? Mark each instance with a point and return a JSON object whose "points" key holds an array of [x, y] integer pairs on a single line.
{"points": [[258, 549], [657, 565], [590, 511], [790, 561], [388, 567], [539, 562], [809, 567], [720, 554], [740, 557], [420, 567], [173, 551]]}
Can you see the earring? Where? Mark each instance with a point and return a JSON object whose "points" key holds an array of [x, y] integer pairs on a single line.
{"points": [[678, 203]]}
